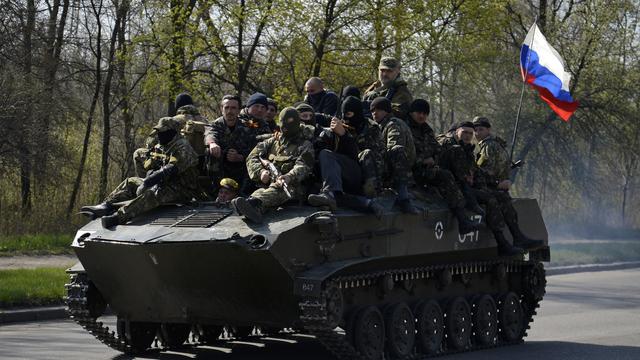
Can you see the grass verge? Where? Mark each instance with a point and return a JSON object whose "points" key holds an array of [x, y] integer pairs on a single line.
{"points": [[39, 244], [32, 287], [594, 253]]}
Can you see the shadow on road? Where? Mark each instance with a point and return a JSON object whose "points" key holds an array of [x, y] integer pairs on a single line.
{"points": [[289, 349]]}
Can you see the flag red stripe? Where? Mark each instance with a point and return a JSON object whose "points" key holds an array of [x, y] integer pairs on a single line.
{"points": [[563, 109]]}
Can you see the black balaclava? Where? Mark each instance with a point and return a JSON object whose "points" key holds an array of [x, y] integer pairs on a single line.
{"points": [[350, 90], [182, 100], [290, 129], [165, 137], [353, 104]]}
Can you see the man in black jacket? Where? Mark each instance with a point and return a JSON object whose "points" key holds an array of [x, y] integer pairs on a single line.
{"points": [[322, 100], [341, 175]]}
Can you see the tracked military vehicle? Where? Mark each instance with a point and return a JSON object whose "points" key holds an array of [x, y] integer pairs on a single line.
{"points": [[402, 286]]}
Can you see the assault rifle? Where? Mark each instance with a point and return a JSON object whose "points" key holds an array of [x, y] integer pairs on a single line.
{"points": [[274, 173]]}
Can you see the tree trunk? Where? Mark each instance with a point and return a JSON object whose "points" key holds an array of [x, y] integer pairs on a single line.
{"points": [[329, 18], [25, 145], [92, 109], [106, 109]]}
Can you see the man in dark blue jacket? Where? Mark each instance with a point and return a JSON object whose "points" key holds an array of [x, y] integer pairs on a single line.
{"points": [[322, 101]]}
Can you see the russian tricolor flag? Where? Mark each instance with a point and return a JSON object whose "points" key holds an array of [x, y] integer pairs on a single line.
{"points": [[543, 68]]}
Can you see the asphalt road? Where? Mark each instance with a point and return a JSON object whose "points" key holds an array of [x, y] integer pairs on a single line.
{"points": [[583, 316]]}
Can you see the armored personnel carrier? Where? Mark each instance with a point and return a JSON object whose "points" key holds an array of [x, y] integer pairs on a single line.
{"points": [[402, 286]]}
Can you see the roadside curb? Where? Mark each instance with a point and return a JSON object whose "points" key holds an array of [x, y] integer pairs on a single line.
{"points": [[60, 312], [33, 314], [561, 270]]}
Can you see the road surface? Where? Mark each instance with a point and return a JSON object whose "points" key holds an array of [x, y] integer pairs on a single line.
{"points": [[583, 316]]}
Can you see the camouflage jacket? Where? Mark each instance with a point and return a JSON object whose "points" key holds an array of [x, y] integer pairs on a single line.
{"points": [[370, 138], [239, 138], [292, 157], [396, 134], [179, 153], [456, 157], [397, 92], [425, 141], [492, 158]]}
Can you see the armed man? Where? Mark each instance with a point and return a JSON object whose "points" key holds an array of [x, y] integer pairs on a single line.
{"points": [[172, 176], [391, 86], [341, 174], [426, 171], [495, 166], [368, 137], [280, 163], [399, 153], [321, 100], [192, 125], [229, 143], [457, 156]]}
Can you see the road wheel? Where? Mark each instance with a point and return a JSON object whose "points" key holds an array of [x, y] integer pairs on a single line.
{"points": [[138, 335], [458, 322], [511, 318], [174, 335], [368, 333], [485, 320], [430, 326], [400, 329]]}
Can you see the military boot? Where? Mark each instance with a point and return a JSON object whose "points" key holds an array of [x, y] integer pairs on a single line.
{"points": [[464, 224], [250, 207], [109, 221], [406, 206], [323, 199], [521, 240], [504, 247], [99, 210]]}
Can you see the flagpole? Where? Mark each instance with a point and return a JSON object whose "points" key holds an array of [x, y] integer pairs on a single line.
{"points": [[524, 84]]}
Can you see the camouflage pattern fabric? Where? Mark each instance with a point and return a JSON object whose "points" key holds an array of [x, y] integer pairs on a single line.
{"points": [[292, 157], [370, 155], [397, 92], [239, 138], [456, 157], [492, 158], [182, 187], [400, 151], [424, 175]]}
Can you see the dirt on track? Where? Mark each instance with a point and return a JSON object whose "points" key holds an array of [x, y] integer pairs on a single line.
{"points": [[32, 262]]}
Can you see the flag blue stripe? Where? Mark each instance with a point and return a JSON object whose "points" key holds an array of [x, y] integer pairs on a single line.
{"points": [[543, 77]]}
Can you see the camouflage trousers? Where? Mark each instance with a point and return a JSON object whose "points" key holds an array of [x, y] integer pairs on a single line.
{"points": [[139, 156], [397, 167], [273, 196], [499, 208], [370, 170], [443, 181], [149, 199]]}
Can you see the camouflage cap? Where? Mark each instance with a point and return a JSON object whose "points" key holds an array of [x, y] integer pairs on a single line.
{"points": [[166, 123], [481, 121], [230, 184], [388, 62]]}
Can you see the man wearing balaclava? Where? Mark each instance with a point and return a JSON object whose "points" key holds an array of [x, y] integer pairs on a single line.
{"points": [[172, 176], [338, 160], [370, 146], [292, 156]]}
